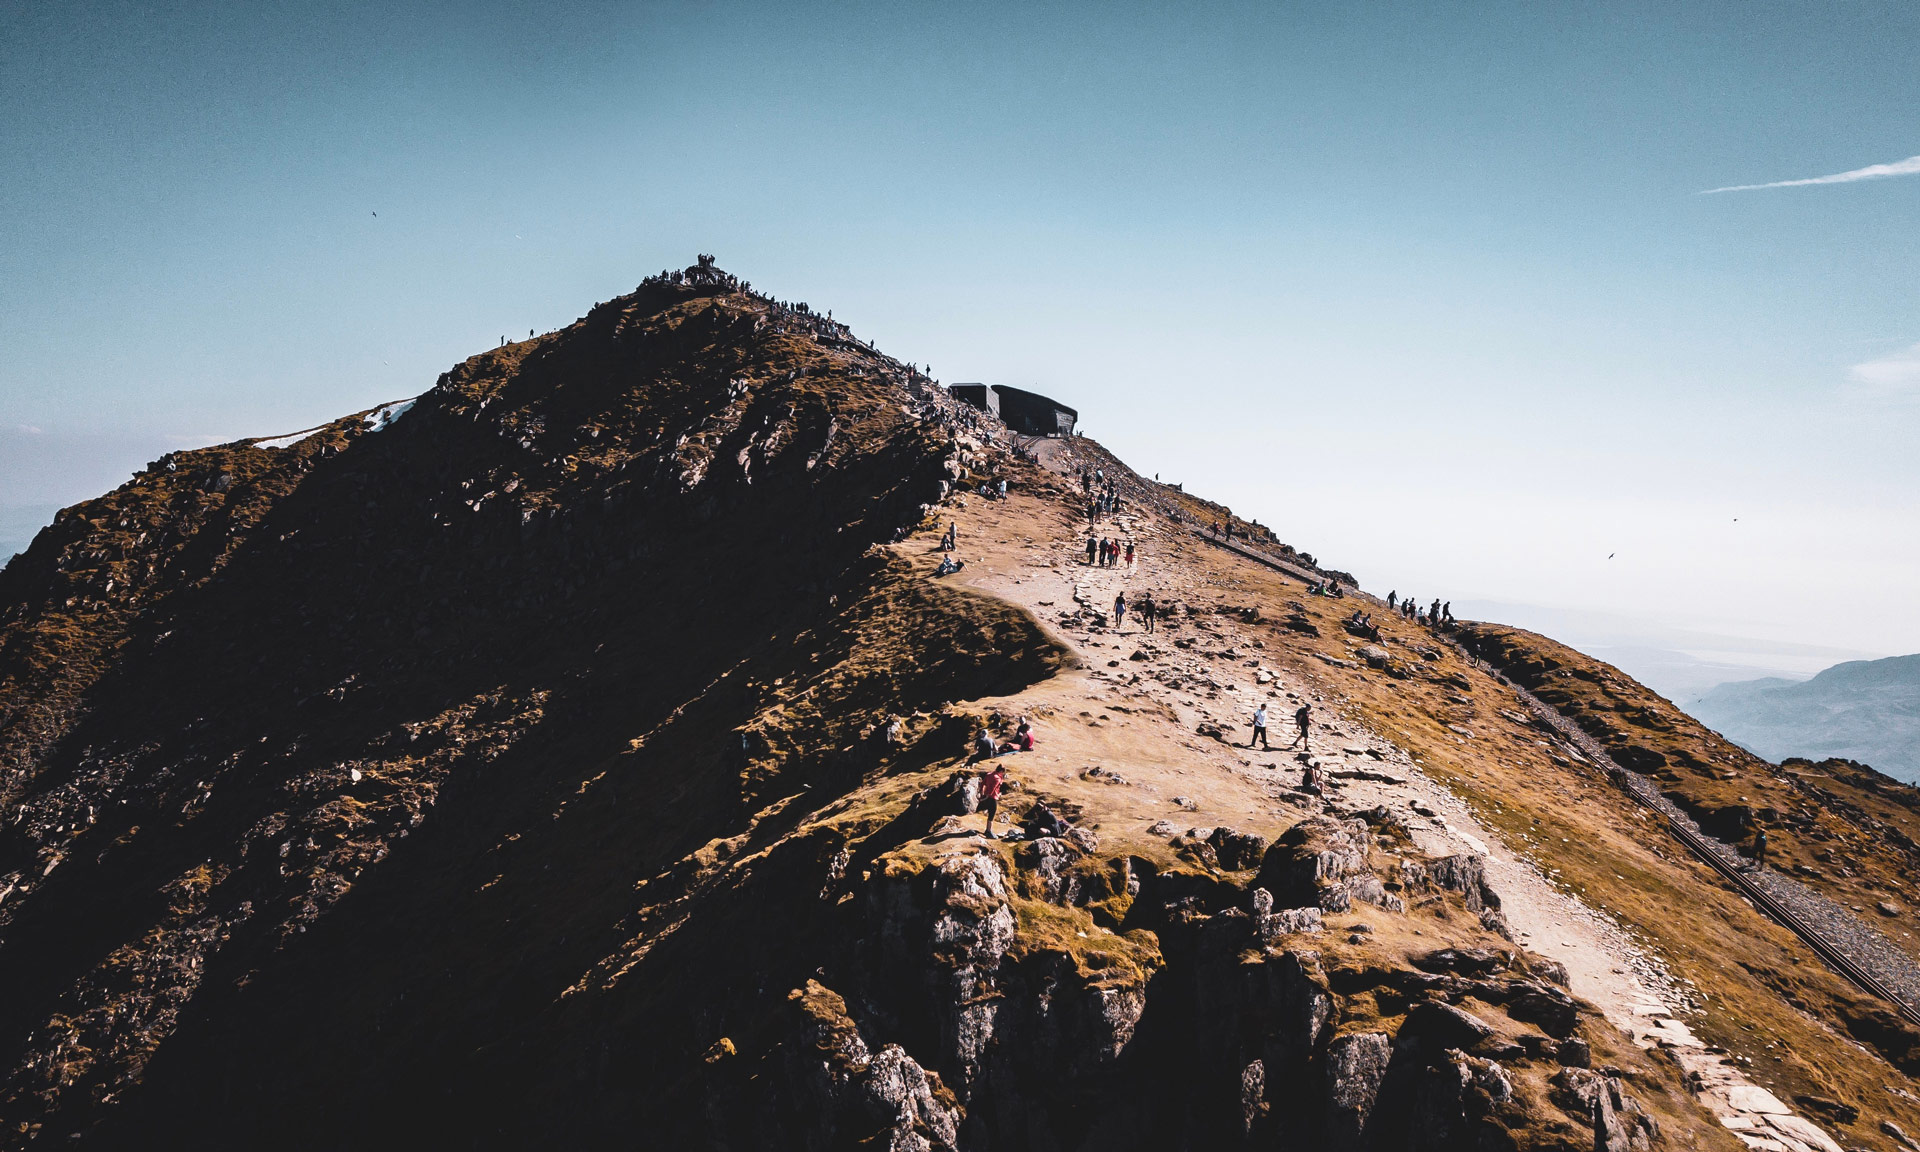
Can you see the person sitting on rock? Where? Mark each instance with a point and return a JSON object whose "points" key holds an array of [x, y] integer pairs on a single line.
{"points": [[1020, 741], [1043, 821], [983, 748], [990, 785]]}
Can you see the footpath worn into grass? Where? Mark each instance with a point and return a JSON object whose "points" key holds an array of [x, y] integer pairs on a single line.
{"points": [[1147, 739]]}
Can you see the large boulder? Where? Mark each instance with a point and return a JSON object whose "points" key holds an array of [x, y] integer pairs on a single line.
{"points": [[1619, 1123], [1355, 1065], [1310, 863]]}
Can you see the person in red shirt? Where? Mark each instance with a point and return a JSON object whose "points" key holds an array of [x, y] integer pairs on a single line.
{"points": [[1021, 741], [990, 785]]}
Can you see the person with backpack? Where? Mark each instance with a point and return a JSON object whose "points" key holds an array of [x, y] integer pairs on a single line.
{"points": [[1119, 611], [1144, 609], [1303, 716], [990, 785]]}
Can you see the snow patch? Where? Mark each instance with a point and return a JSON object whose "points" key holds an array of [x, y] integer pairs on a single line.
{"points": [[382, 418], [286, 441]]}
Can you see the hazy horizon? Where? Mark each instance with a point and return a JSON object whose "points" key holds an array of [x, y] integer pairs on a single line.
{"points": [[1440, 294]]}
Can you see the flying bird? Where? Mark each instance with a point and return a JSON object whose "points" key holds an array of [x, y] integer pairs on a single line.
{"points": [[1609, 555]]}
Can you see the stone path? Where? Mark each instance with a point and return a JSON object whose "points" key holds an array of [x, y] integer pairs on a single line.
{"points": [[1217, 679]]}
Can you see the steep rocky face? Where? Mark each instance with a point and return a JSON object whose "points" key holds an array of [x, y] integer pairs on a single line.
{"points": [[1159, 1007], [312, 749], [578, 757]]}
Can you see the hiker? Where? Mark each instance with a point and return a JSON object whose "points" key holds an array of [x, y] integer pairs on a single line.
{"points": [[1003, 487], [1390, 599], [1129, 554], [1144, 610], [1433, 614], [1260, 728], [1043, 821], [1303, 716], [1759, 848], [947, 541], [1119, 611], [990, 786], [1092, 546], [1310, 779], [1021, 741], [983, 746], [948, 566]]}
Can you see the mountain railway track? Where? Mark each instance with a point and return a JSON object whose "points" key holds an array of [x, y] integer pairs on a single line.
{"points": [[1717, 855]]}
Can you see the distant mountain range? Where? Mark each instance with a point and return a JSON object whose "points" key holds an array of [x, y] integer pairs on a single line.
{"points": [[1865, 710]]}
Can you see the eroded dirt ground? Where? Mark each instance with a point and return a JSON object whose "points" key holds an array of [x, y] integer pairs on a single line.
{"points": [[1149, 738]]}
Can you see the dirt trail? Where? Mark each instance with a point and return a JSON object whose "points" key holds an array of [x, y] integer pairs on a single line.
{"points": [[1142, 707]]}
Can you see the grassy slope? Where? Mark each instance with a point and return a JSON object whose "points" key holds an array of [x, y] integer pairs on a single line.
{"points": [[1846, 830]]}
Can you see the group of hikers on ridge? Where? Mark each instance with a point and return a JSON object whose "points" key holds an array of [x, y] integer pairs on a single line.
{"points": [[1103, 493], [1040, 819], [1302, 716], [1440, 615], [1106, 553]]}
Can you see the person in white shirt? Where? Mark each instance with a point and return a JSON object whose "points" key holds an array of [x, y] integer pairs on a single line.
{"points": [[1260, 728]]}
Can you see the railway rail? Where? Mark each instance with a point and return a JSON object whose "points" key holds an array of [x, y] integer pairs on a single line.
{"points": [[1714, 853]]}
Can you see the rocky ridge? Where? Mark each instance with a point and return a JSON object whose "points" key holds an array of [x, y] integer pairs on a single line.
{"points": [[580, 752]]}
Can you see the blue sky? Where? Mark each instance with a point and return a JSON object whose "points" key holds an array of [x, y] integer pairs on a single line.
{"points": [[1433, 289]]}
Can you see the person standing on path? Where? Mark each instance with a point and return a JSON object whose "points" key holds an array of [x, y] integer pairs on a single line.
{"points": [[1260, 728], [1120, 612], [1303, 716], [1129, 555], [1144, 610], [1759, 849], [1092, 547], [990, 785]]}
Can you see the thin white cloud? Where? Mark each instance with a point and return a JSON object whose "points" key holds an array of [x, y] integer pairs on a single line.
{"points": [[1908, 167], [1894, 374], [31, 429]]}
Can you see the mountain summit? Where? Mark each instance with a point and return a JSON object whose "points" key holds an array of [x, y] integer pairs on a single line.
{"points": [[593, 751]]}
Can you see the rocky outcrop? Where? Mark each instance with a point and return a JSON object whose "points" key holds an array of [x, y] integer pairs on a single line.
{"points": [[1324, 861]]}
